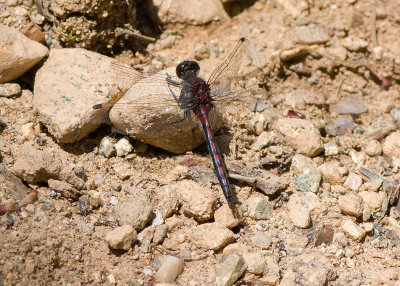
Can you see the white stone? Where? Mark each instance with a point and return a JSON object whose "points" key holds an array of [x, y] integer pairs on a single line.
{"points": [[171, 267], [332, 172], [123, 147], [331, 149], [27, 131]]}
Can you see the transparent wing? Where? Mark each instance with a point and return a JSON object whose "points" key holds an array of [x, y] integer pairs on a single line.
{"points": [[242, 95], [127, 73], [147, 93], [227, 72]]}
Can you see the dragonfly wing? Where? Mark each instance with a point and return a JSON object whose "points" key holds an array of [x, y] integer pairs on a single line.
{"points": [[227, 72], [126, 73], [241, 95], [146, 104]]}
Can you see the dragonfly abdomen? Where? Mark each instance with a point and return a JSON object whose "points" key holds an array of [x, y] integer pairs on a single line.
{"points": [[216, 157]]}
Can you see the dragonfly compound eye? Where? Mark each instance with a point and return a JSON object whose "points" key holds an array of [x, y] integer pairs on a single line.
{"points": [[187, 67]]}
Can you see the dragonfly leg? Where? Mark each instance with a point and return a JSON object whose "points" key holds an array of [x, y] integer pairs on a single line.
{"points": [[175, 83]]}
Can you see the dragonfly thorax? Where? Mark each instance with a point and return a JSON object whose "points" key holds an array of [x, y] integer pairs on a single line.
{"points": [[201, 92]]}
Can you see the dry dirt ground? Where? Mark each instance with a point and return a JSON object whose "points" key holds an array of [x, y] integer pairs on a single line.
{"points": [[334, 49]]}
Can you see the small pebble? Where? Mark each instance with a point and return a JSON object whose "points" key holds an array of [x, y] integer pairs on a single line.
{"points": [[395, 113], [107, 148], [157, 218], [301, 134], [301, 164], [332, 172], [230, 270], [197, 201], [135, 212], [261, 239], [353, 43], [377, 128], [224, 216], [255, 262], [123, 147], [353, 230], [27, 131], [265, 139], [368, 226], [353, 182], [259, 208], [350, 205], [311, 35], [201, 52], [298, 211], [331, 149], [350, 105], [10, 90], [373, 148], [378, 52], [84, 206], [291, 54], [372, 199], [211, 236], [373, 185], [340, 126], [171, 267], [160, 233], [114, 200], [30, 208], [391, 145], [357, 157], [121, 237], [307, 182], [325, 235]]}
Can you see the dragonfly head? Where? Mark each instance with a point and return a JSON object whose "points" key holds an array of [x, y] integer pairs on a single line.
{"points": [[187, 68]]}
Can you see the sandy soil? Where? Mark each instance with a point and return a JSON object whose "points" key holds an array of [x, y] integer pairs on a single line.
{"points": [[53, 241]]}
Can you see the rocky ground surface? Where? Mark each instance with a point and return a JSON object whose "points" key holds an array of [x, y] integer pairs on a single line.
{"points": [[314, 164]]}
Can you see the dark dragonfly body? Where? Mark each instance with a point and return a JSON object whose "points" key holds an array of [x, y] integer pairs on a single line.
{"points": [[196, 96]]}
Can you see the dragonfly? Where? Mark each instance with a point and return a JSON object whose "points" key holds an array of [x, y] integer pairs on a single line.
{"points": [[191, 94]]}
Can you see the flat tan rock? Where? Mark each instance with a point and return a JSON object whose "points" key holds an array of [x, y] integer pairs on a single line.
{"points": [[211, 236], [18, 53], [68, 85]]}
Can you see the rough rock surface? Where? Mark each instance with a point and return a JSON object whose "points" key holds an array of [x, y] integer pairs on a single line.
{"points": [[302, 135], [135, 212], [197, 201], [18, 53], [68, 85], [211, 236], [34, 165], [189, 12], [121, 237]]}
